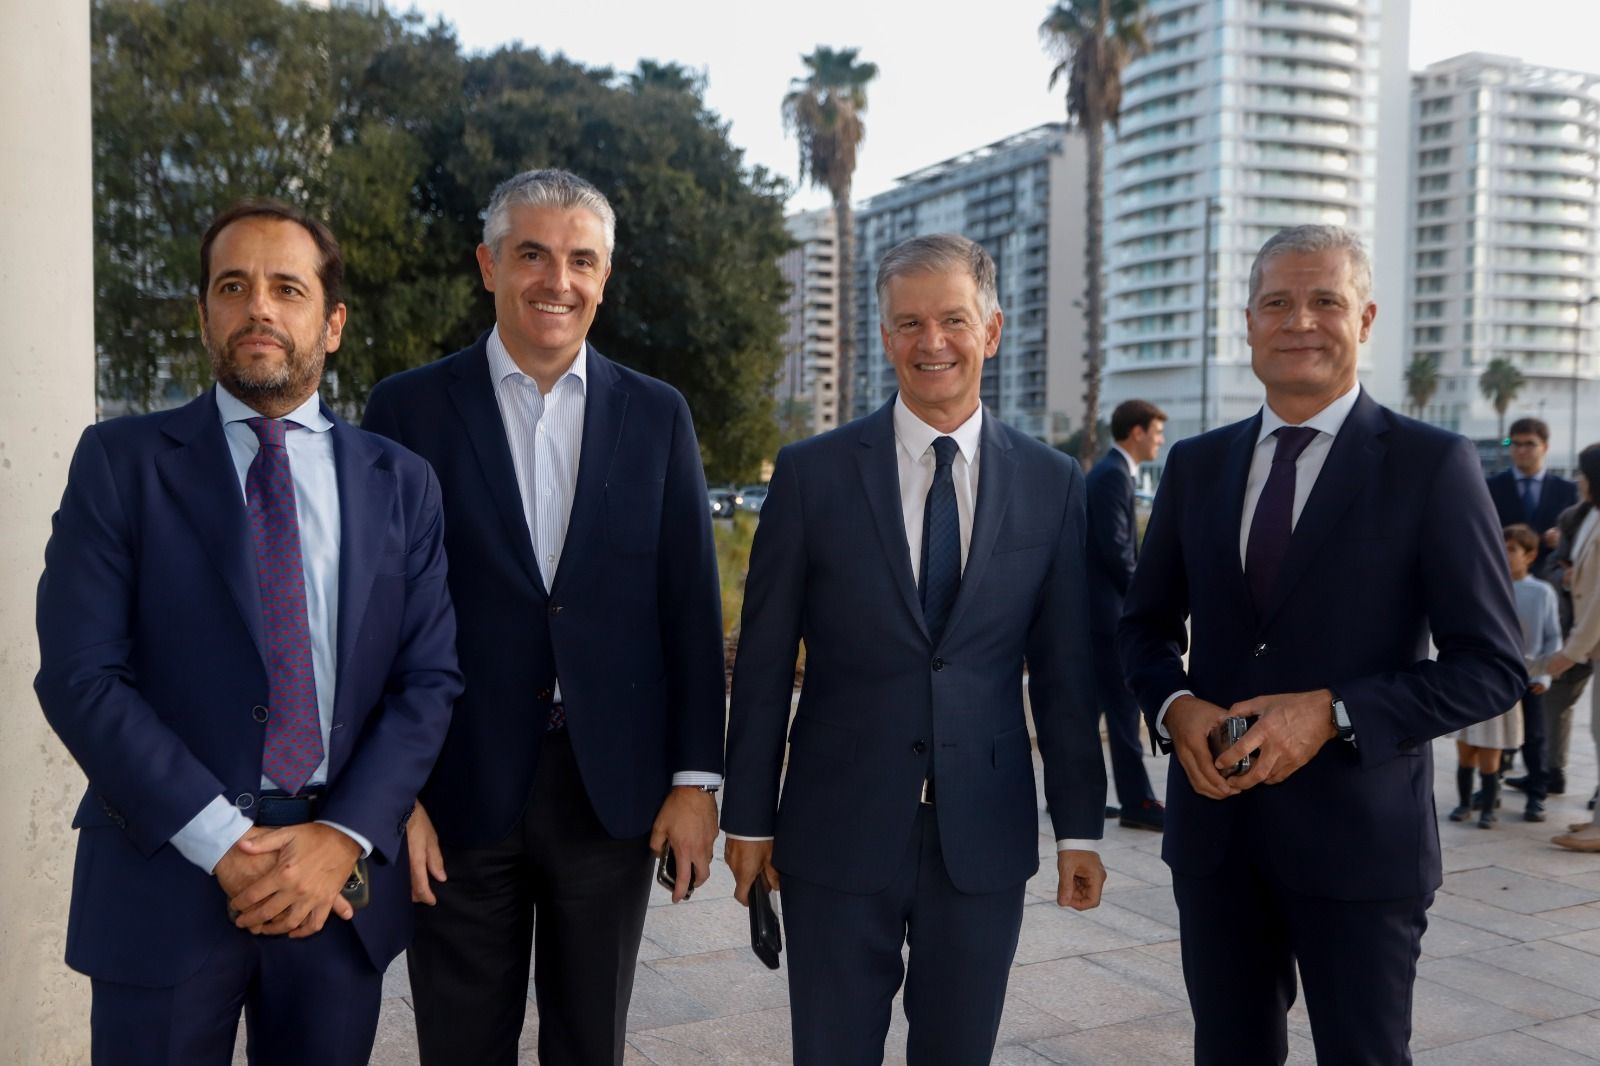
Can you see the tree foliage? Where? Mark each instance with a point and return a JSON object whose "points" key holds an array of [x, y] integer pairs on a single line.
{"points": [[1422, 380], [1500, 382], [381, 126]]}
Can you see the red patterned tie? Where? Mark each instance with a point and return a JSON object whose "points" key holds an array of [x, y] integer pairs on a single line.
{"points": [[293, 745]]}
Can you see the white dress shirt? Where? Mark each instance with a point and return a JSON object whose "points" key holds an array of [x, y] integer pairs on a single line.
{"points": [[545, 434], [1133, 464], [220, 824], [914, 458], [1327, 422]]}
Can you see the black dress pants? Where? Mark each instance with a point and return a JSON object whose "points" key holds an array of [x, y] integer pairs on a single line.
{"points": [[558, 888]]}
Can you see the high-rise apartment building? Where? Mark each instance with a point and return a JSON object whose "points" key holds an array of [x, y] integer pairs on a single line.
{"points": [[807, 388], [1505, 241], [1022, 199], [1245, 117]]}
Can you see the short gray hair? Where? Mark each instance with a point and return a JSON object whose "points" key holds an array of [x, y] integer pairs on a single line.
{"points": [[1311, 239], [545, 188], [940, 253]]}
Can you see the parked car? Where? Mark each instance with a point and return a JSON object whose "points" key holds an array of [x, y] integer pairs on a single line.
{"points": [[754, 497], [725, 501]]}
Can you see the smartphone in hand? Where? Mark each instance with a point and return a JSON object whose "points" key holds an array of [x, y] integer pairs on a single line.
{"points": [[667, 872]]}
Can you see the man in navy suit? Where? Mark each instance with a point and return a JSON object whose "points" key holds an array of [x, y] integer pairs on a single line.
{"points": [[590, 637], [924, 554], [1312, 549], [247, 643], [1113, 549]]}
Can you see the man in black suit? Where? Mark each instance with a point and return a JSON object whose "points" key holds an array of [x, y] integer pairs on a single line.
{"points": [[1311, 549], [586, 586], [1113, 549]]}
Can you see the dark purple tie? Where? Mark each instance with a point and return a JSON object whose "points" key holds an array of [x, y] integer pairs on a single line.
{"points": [[941, 541], [293, 746], [1274, 517]]}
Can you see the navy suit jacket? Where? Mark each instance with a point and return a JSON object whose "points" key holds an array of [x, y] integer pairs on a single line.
{"points": [[1396, 540], [1555, 496], [1113, 540], [882, 704], [632, 626], [152, 666]]}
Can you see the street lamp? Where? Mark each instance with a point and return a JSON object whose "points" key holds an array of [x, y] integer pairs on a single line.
{"points": [[1577, 360], [1213, 207]]}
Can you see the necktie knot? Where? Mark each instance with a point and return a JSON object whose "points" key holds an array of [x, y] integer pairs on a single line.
{"points": [[1292, 440], [270, 431], [944, 452]]}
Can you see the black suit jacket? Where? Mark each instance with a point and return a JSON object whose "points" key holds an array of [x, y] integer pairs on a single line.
{"points": [[633, 624], [1113, 540], [1397, 540], [1555, 496]]}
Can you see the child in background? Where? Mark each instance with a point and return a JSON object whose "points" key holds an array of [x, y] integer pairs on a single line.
{"points": [[1539, 613]]}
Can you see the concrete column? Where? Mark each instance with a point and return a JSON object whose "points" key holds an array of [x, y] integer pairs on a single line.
{"points": [[46, 398]]}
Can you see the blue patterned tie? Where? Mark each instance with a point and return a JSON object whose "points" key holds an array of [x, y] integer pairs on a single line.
{"points": [[1529, 502], [1274, 517], [941, 541]]}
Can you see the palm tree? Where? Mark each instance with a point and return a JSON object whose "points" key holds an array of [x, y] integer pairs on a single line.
{"points": [[1093, 41], [1422, 380], [1500, 382], [823, 110]]}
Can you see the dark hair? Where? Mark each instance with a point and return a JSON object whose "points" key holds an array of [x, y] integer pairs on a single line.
{"points": [[1522, 536], [330, 271], [1536, 426], [1589, 465], [1134, 414]]}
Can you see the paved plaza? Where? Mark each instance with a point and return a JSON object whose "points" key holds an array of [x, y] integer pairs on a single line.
{"points": [[1510, 969]]}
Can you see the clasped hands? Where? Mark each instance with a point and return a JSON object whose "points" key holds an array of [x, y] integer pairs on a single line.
{"points": [[286, 880], [1290, 728]]}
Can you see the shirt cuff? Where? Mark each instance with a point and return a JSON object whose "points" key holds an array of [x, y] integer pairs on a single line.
{"points": [[1161, 717], [366, 845], [753, 840], [1074, 844], [1539, 679], [696, 777], [208, 835]]}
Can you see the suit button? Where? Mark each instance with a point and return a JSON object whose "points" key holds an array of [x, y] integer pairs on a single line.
{"points": [[1259, 650], [555, 609], [543, 695], [919, 747], [938, 663], [244, 801], [259, 713]]}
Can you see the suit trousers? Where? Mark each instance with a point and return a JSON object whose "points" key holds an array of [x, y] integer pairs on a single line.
{"points": [[1534, 746], [1558, 703], [1243, 932], [845, 963], [558, 888], [304, 1001], [1122, 724]]}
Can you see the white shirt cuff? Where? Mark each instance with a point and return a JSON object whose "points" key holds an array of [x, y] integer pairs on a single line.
{"points": [[754, 840], [1161, 717], [366, 845], [1073, 844], [208, 835], [696, 777]]}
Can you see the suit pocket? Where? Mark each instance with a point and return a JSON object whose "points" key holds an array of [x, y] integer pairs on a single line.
{"points": [[1023, 540], [633, 516], [813, 736], [1013, 746]]}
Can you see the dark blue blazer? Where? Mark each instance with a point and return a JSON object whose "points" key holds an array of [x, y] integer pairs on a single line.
{"points": [[1113, 540], [152, 662], [1397, 540], [1555, 496], [882, 705], [633, 626]]}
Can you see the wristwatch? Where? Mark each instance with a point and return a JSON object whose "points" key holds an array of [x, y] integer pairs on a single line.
{"points": [[1341, 721], [710, 790]]}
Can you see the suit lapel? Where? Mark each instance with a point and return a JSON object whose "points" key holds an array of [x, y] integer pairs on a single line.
{"points": [[1230, 505], [1352, 462], [200, 477], [604, 406], [880, 479], [367, 493], [473, 395], [996, 469]]}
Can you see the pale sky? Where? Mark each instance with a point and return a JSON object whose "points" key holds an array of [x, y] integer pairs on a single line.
{"points": [[953, 74]]}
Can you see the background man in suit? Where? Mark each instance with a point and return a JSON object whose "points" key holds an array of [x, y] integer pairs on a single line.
{"points": [[1356, 532], [1113, 549], [591, 641], [1530, 495], [920, 589], [243, 619]]}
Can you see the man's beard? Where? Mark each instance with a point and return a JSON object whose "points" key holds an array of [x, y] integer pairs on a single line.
{"points": [[287, 382]]}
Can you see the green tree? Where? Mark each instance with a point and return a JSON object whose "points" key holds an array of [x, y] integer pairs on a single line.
{"points": [[823, 110], [1093, 41], [1500, 382], [1422, 380]]}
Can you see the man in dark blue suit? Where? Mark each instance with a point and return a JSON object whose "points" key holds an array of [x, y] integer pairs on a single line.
{"points": [[920, 589], [590, 638], [247, 643], [1113, 550], [1311, 550]]}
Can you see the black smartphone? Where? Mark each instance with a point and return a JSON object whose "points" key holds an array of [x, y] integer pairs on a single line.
{"points": [[766, 939], [1226, 734], [667, 872], [357, 890]]}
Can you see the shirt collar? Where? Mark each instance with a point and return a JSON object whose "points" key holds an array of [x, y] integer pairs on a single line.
{"points": [[916, 436], [308, 415], [1328, 420], [502, 366], [1536, 478], [1133, 464]]}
